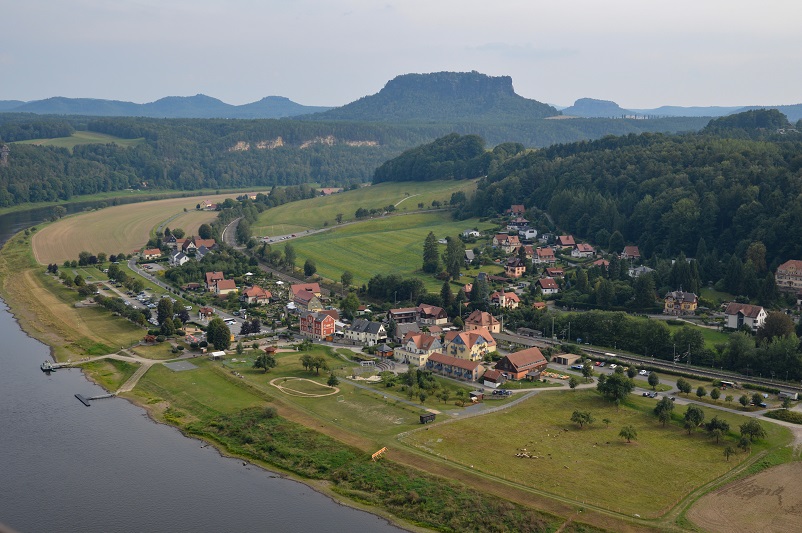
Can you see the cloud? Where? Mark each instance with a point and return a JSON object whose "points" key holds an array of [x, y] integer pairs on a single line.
{"points": [[527, 51]]}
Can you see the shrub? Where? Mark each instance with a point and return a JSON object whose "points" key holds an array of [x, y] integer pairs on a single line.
{"points": [[785, 415]]}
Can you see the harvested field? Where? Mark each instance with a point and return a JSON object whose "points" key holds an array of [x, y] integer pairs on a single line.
{"points": [[117, 229], [768, 501]]}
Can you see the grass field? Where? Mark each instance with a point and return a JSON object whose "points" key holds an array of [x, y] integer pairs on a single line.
{"points": [[592, 465], [85, 137], [391, 245], [46, 309], [313, 213], [110, 373], [117, 229], [711, 336]]}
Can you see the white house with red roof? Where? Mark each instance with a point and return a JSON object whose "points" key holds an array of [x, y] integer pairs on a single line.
{"points": [[507, 243], [548, 286], [566, 241], [583, 250], [789, 276], [256, 295], [740, 315], [631, 252], [482, 319], [544, 255]]}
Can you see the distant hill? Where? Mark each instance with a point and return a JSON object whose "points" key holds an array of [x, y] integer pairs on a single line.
{"points": [[753, 124], [592, 108], [441, 97], [198, 106], [793, 112], [693, 111]]}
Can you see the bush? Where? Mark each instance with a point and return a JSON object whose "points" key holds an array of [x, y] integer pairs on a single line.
{"points": [[762, 388], [786, 415], [161, 338]]}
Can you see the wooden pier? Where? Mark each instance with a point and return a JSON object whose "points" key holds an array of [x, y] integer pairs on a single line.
{"points": [[84, 400]]}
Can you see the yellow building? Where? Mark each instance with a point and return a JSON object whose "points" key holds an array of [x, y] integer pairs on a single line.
{"points": [[680, 303]]}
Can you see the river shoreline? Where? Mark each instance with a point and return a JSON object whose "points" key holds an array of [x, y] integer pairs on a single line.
{"points": [[15, 307]]}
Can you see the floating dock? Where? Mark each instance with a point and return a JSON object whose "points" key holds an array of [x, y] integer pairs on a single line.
{"points": [[84, 400]]}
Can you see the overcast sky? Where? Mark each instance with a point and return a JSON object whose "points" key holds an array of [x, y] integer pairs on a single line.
{"points": [[639, 53]]}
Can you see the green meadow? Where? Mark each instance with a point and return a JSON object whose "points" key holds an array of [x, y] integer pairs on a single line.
{"points": [[85, 137], [388, 245], [317, 212]]}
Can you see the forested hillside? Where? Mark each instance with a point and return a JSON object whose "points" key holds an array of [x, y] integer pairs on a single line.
{"points": [[665, 193]]}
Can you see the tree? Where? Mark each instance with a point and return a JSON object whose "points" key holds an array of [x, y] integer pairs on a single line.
{"points": [[587, 370], [605, 292], [757, 399], [644, 291], [654, 380], [715, 394], [240, 348], [684, 386], [350, 305], [164, 310], [573, 382], [332, 381], [307, 361], [777, 324], [454, 257], [717, 427], [445, 395], [728, 398], [632, 371], [266, 361], [616, 387], [319, 362], [582, 418], [446, 296], [346, 279], [728, 451], [218, 334], [752, 429], [701, 392], [744, 400], [309, 268], [663, 410], [79, 281], [616, 243], [694, 416], [289, 256], [422, 397], [628, 432], [205, 231], [431, 258]]}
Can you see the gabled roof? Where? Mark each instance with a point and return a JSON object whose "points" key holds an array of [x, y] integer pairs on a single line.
{"points": [[314, 288], [481, 318], [432, 310], [525, 359], [211, 277], [470, 338], [601, 263], [256, 292], [444, 359], [545, 251], [152, 251], [360, 325], [682, 296], [492, 375], [304, 297], [422, 341], [226, 284], [547, 283], [631, 251], [584, 248], [793, 264], [751, 311], [566, 240]]}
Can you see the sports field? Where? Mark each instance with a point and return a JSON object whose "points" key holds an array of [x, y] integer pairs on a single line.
{"points": [[118, 229], [85, 137], [389, 245], [313, 213], [593, 465]]}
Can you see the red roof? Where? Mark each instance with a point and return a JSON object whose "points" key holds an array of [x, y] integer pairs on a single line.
{"points": [[747, 310], [582, 247], [314, 288], [631, 251], [152, 251], [481, 318], [256, 292], [444, 359], [566, 240], [545, 252], [524, 359], [211, 277], [548, 283], [793, 264], [226, 284]]}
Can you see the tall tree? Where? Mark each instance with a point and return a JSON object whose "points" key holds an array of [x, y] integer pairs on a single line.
{"points": [[218, 334], [431, 258], [446, 296], [205, 231], [347, 278], [454, 257], [777, 324], [289, 256]]}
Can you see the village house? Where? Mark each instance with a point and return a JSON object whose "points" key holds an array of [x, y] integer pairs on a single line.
{"points": [[469, 257], [527, 363], [212, 278], [177, 258], [472, 345], [517, 224], [151, 253], [432, 315], [403, 315], [789, 276], [515, 268], [566, 242], [454, 367], [554, 273], [517, 210], [506, 300], [539, 305], [328, 191], [201, 252], [493, 378], [680, 303], [527, 234], [205, 313], [207, 205], [417, 347], [256, 295], [169, 240], [468, 233], [316, 325], [740, 315], [223, 287], [364, 331], [544, 255], [307, 301], [507, 243], [604, 264], [548, 286], [314, 288], [583, 251], [631, 252], [635, 272], [481, 319], [402, 330]]}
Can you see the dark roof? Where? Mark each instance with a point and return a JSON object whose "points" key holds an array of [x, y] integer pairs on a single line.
{"points": [[366, 326], [747, 310]]}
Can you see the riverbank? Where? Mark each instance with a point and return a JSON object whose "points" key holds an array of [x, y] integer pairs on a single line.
{"points": [[46, 311]]}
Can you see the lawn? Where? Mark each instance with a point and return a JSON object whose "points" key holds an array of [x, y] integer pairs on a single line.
{"points": [[711, 336], [159, 351], [117, 229], [592, 465], [390, 245], [85, 137], [110, 373], [315, 212]]}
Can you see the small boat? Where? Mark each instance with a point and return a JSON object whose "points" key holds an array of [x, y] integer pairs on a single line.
{"points": [[47, 366]]}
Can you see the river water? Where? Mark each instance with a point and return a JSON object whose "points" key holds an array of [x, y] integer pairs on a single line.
{"points": [[108, 468]]}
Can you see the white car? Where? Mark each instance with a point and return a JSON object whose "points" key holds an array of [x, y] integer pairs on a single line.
{"points": [[643, 373], [613, 366]]}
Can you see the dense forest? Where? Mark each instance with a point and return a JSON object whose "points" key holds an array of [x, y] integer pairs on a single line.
{"points": [[664, 193]]}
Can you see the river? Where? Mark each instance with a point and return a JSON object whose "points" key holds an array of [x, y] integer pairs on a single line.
{"points": [[108, 468]]}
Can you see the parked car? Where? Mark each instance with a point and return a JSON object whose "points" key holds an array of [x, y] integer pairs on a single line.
{"points": [[643, 373], [614, 366]]}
